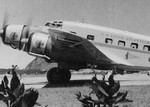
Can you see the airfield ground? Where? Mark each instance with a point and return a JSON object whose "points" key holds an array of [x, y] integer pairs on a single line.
{"points": [[137, 85]]}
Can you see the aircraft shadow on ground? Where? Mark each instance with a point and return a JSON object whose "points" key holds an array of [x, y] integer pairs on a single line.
{"points": [[72, 83]]}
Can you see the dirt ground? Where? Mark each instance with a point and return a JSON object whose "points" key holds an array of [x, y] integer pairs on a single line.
{"points": [[65, 96]]}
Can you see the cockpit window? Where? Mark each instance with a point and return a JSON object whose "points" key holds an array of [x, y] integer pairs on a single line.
{"points": [[54, 24], [48, 24]]}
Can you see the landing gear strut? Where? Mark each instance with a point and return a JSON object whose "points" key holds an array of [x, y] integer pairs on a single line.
{"points": [[58, 75]]}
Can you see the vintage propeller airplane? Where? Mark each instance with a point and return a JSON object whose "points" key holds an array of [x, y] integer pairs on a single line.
{"points": [[75, 46]]}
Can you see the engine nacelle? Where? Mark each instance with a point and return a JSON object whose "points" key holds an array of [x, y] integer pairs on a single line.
{"points": [[13, 34], [16, 35], [32, 39], [37, 43]]}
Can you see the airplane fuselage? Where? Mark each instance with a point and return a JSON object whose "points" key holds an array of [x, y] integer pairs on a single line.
{"points": [[131, 49], [77, 46]]}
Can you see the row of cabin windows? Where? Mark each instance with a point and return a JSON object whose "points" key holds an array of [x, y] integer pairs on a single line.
{"points": [[122, 43]]}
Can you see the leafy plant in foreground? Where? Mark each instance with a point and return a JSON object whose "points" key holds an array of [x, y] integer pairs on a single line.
{"points": [[15, 95], [107, 94]]}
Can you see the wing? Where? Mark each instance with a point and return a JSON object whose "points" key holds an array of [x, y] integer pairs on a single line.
{"points": [[78, 48], [75, 48], [116, 59], [120, 59]]}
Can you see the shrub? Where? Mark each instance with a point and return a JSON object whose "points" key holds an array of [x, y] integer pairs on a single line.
{"points": [[15, 95], [107, 94]]}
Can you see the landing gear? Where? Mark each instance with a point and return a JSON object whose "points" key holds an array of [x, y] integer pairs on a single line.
{"points": [[58, 75], [117, 71]]}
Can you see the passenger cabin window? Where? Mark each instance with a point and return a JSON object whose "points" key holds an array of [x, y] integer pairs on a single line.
{"points": [[146, 48], [90, 37], [108, 40], [134, 45], [121, 43]]}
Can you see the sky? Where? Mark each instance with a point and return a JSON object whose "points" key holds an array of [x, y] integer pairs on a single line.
{"points": [[128, 15]]}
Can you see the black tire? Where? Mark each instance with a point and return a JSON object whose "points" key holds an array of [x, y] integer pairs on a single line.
{"points": [[53, 76], [66, 75], [57, 76]]}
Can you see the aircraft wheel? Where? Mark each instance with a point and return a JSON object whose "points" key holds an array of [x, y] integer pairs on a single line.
{"points": [[53, 75], [66, 75], [57, 76]]}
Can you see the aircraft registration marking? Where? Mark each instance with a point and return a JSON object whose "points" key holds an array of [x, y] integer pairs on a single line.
{"points": [[126, 38]]}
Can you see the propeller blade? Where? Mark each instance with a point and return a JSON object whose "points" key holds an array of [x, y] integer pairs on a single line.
{"points": [[5, 23], [6, 19], [26, 33], [27, 29]]}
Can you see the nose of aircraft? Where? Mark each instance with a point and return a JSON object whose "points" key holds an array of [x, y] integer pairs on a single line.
{"points": [[12, 34]]}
